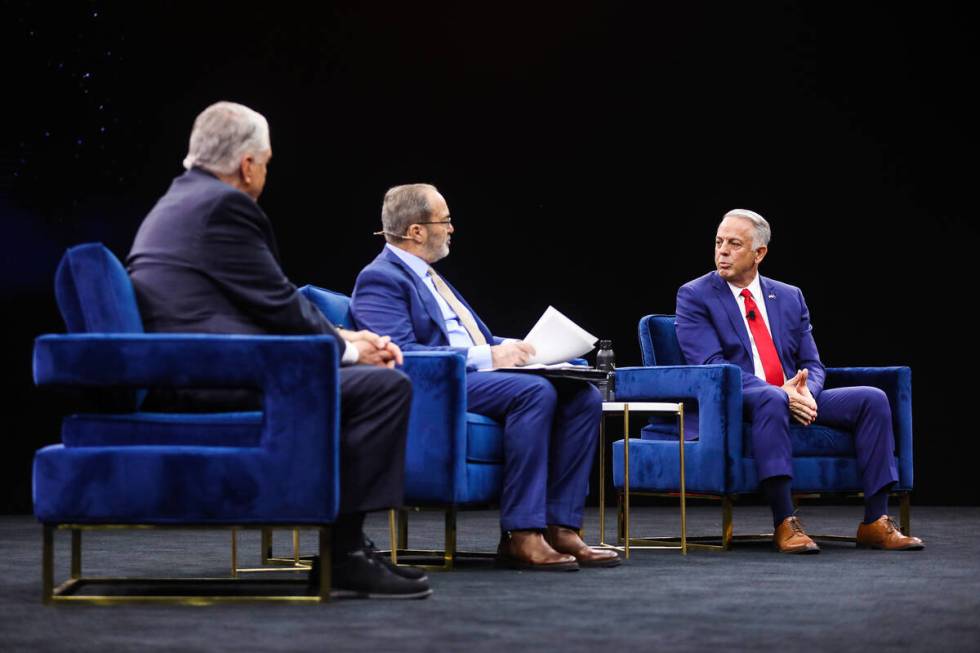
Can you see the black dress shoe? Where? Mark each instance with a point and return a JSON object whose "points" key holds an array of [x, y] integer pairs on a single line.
{"points": [[359, 575], [405, 571]]}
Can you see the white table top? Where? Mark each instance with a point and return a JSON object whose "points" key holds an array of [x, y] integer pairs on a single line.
{"points": [[620, 406]]}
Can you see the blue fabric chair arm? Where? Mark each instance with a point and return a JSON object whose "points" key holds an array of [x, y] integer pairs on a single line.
{"points": [[298, 376], [717, 389], [896, 383], [435, 456]]}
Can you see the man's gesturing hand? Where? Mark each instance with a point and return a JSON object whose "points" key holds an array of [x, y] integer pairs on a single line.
{"points": [[802, 405]]}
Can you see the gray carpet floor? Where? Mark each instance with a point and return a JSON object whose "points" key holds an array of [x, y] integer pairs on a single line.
{"points": [[749, 598]]}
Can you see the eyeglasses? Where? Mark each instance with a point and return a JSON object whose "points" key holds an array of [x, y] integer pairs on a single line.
{"points": [[446, 221]]}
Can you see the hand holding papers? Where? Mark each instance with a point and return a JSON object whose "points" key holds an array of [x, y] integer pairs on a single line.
{"points": [[556, 339]]}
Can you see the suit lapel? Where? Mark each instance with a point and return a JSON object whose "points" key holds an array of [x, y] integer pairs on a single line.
{"points": [[731, 308], [430, 303]]}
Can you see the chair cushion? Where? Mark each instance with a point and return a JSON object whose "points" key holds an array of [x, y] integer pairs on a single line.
{"points": [[242, 429], [807, 441], [484, 440], [94, 292]]}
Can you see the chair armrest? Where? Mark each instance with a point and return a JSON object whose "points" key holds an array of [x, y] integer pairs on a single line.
{"points": [[716, 388], [435, 454], [896, 383], [297, 375]]}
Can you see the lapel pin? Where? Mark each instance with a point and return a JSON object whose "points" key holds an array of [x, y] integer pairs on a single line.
{"points": [[772, 296]]}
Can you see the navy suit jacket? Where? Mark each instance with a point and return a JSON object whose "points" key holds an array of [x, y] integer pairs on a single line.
{"points": [[205, 260], [710, 329], [390, 298]]}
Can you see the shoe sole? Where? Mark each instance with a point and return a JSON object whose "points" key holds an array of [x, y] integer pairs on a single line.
{"points": [[510, 563], [911, 547], [800, 551], [612, 562], [353, 594]]}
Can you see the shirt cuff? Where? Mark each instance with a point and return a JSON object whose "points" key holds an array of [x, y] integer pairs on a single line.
{"points": [[351, 354], [479, 357]]}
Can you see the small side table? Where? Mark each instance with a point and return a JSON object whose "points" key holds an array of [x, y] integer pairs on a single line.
{"points": [[625, 407]]}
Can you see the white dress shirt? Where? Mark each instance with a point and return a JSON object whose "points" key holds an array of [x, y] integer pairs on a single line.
{"points": [[756, 289]]}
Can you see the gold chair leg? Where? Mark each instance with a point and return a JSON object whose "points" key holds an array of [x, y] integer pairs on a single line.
{"points": [[449, 555], [393, 534], [726, 522], [296, 547], [47, 564], [904, 509], [619, 519]]}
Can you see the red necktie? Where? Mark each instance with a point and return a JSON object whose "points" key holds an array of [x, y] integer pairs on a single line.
{"points": [[763, 341]]}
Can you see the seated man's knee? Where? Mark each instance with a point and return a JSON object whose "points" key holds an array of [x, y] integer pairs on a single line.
{"points": [[393, 382], [875, 400], [540, 392], [771, 400]]}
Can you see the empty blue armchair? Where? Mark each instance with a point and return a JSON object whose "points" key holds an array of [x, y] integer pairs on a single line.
{"points": [[718, 449], [453, 458], [274, 468]]}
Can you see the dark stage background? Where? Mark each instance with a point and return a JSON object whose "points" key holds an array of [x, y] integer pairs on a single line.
{"points": [[587, 153]]}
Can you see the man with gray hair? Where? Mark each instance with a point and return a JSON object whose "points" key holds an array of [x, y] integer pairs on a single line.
{"points": [[734, 315], [205, 261]]}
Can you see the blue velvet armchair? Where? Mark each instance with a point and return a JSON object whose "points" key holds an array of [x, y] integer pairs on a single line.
{"points": [[454, 458], [274, 468], [718, 451]]}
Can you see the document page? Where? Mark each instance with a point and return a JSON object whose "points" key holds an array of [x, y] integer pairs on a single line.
{"points": [[556, 339]]}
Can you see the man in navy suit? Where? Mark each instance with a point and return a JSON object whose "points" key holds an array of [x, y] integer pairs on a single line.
{"points": [[734, 315], [550, 429], [205, 261]]}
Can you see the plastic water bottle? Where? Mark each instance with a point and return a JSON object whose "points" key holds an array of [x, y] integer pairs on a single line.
{"points": [[605, 360]]}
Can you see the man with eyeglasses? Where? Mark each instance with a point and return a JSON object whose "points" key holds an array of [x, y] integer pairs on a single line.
{"points": [[550, 428]]}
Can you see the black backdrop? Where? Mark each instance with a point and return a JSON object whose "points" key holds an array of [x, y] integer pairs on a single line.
{"points": [[587, 153]]}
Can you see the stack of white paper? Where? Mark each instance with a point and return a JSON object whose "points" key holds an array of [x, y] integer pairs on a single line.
{"points": [[556, 339]]}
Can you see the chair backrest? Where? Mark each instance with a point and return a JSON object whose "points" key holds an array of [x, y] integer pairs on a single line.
{"points": [[335, 306], [658, 341], [94, 292]]}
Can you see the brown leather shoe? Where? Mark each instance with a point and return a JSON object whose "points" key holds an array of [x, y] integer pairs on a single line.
{"points": [[883, 533], [791, 538], [528, 550], [566, 540]]}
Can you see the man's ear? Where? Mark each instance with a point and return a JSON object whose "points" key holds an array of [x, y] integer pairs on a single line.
{"points": [[760, 253], [245, 168]]}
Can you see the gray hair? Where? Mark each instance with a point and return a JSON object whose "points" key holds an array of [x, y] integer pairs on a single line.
{"points": [[761, 228], [404, 206], [224, 133]]}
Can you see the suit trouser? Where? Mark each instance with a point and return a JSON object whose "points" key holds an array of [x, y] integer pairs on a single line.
{"points": [[862, 410], [550, 433], [374, 405]]}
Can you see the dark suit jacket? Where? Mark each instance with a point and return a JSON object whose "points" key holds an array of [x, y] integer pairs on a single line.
{"points": [[710, 329], [205, 261], [390, 298]]}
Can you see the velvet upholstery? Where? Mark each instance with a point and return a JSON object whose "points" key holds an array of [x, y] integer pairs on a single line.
{"points": [[335, 306], [276, 466], [453, 457], [718, 451], [290, 475]]}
